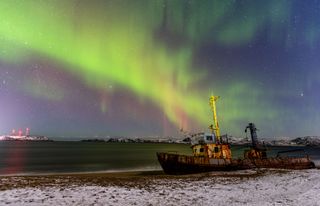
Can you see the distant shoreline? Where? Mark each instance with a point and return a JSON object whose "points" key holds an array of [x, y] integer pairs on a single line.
{"points": [[156, 142]]}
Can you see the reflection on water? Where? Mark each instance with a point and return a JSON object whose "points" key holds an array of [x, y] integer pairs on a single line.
{"points": [[55, 157], [13, 158]]}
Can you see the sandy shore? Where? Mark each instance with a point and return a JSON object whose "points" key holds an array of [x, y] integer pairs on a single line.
{"points": [[263, 187], [126, 179]]}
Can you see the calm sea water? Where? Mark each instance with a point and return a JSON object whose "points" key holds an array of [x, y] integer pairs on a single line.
{"points": [[60, 157]]}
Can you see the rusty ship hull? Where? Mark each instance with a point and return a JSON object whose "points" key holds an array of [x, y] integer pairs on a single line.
{"points": [[177, 164]]}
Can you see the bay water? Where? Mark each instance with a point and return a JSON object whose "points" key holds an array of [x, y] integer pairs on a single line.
{"points": [[26, 157]]}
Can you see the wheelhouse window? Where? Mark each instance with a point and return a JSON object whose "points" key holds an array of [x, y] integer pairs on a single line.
{"points": [[216, 149], [209, 138]]}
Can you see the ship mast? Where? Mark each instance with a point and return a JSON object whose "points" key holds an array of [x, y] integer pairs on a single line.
{"points": [[216, 128]]}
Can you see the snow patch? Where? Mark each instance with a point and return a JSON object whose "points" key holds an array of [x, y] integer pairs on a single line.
{"points": [[287, 188]]}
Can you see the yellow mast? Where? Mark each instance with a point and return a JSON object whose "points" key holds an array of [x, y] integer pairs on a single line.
{"points": [[216, 128]]}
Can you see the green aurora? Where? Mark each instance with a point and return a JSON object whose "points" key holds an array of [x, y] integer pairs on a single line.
{"points": [[150, 49]]}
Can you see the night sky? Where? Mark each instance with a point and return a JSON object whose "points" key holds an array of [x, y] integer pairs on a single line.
{"points": [[148, 67]]}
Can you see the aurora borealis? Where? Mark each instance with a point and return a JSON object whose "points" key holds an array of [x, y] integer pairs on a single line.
{"points": [[148, 67]]}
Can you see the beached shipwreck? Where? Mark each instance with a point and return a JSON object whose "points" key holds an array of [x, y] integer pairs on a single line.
{"points": [[212, 152]]}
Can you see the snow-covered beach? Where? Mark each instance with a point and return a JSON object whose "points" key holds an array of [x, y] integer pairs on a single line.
{"points": [[267, 187]]}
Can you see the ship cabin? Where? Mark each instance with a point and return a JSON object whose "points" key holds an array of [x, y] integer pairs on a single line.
{"points": [[207, 145]]}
